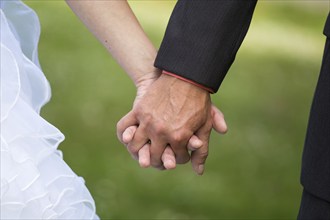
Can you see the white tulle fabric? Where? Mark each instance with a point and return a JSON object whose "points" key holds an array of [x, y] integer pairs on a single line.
{"points": [[35, 181]]}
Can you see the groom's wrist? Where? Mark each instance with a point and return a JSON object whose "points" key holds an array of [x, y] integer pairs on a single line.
{"points": [[188, 81]]}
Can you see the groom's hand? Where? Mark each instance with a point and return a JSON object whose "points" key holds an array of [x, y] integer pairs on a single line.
{"points": [[169, 113], [195, 145]]}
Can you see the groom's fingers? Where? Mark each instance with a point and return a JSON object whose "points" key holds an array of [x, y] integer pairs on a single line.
{"points": [[182, 155], [157, 149], [128, 120], [199, 156], [198, 159], [128, 134], [218, 120]]}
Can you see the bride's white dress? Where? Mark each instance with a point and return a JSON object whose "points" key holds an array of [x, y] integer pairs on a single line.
{"points": [[35, 181]]}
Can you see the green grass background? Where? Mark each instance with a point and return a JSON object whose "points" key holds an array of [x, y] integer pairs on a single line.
{"points": [[252, 172]]}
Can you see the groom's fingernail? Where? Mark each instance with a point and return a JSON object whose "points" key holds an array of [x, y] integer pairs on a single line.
{"points": [[201, 169]]}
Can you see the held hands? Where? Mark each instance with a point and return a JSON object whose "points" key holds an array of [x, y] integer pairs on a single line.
{"points": [[173, 115], [169, 118]]}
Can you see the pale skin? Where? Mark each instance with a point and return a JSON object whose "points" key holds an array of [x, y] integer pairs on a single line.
{"points": [[176, 116]]}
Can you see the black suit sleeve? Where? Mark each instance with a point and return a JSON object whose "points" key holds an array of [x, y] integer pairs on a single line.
{"points": [[202, 39]]}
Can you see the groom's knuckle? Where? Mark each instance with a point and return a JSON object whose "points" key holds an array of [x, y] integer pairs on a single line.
{"points": [[132, 149], [119, 129], [140, 111], [159, 128], [203, 155], [182, 159], [157, 165], [119, 125], [178, 136], [147, 118]]}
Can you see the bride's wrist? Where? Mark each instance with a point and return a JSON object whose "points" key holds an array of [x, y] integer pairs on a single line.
{"points": [[145, 79]]}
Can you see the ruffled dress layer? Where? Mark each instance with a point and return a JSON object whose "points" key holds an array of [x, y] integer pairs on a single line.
{"points": [[36, 183]]}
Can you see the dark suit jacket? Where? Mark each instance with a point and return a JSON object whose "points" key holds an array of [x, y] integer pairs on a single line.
{"points": [[200, 44], [202, 39]]}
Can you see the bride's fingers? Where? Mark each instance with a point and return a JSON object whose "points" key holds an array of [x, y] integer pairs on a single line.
{"points": [[168, 158], [144, 156], [218, 120], [125, 122], [128, 134], [194, 143], [138, 141]]}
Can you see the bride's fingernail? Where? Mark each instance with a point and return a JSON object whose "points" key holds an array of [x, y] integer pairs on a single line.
{"points": [[198, 143], [169, 165]]}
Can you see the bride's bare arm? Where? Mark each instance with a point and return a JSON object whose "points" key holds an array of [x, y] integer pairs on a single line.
{"points": [[116, 27]]}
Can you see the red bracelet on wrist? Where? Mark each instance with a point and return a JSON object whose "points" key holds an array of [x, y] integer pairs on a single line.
{"points": [[188, 81]]}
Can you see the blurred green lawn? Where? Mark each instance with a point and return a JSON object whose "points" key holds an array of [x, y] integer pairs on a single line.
{"points": [[252, 172]]}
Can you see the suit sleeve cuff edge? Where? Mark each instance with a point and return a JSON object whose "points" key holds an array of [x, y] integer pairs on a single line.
{"points": [[188, 81]]}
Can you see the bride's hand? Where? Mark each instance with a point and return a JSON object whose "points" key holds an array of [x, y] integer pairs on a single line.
{"points": [[168, 157]]}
